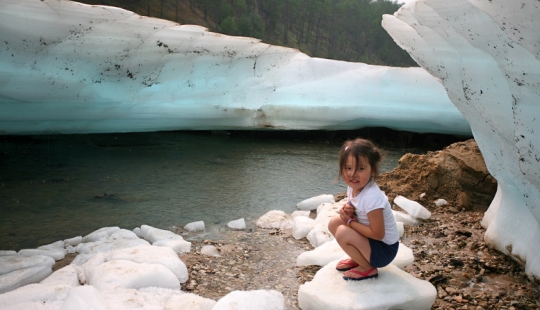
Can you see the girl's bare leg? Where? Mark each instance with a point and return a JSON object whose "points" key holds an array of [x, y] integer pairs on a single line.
{"points": [[354, 244]]}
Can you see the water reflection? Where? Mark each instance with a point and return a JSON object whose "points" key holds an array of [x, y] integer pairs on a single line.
{"points": [[60, 186]]}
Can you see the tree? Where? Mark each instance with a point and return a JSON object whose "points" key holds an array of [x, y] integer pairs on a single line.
{"points": [[228, 26]]}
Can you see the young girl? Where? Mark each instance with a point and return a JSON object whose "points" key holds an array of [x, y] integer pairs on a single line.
{"points": [[365, 227]]}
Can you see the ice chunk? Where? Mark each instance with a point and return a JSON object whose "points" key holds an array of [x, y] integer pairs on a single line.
{"points": [[189, 301], [405, 218], [401, 229], [16, 262], [152, 234], [67, 275], [166, 238], [56, 254], [73, 241], [322, 255], [179, 246], [300, 213], [331, 251], [302, 226], [404, 256], [38, 293], [275, 219], [326, 211], [440, 202], [195, 226], [21, 277], [128, 274], [154, 255], [393, 289], [210, 250], [319, 235], [249, 300], [313, 202], [84, 297], [118, 239], [412, 207], [17, 270], [237, 224], [101, 233]]}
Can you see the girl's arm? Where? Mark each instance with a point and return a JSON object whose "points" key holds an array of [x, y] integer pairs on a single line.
{"points": [[376, 229]]}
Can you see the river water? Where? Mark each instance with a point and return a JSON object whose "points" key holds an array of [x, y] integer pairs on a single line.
{"points": [[55, 187]]}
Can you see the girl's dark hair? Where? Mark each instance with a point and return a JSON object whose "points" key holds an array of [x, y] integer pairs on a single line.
{"points": [[360, 148]]}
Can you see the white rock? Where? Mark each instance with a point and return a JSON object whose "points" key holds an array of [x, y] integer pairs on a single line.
{"points": [[7, 253], [128, 274], [237, 224], [313, 202], [412, 207], [84, 297], [405, 218], [195, 226], [275, 219], [302, 226], [393, 289], [250, 300], [210, 250]]}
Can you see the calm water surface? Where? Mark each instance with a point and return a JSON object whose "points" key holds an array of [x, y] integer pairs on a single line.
{"points": [[61, 186]]}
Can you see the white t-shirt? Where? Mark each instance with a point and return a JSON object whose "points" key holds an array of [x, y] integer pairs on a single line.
{"points": [[371, 198]]}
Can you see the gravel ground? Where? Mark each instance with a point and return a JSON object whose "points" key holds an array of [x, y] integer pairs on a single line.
{"points": [[449, 252]]}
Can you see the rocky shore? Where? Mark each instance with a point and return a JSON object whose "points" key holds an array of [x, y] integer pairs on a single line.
{"points": [[449, 252], [449, 248]]}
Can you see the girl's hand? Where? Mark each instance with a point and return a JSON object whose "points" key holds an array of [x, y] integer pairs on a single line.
{"points": [[346, 212]]}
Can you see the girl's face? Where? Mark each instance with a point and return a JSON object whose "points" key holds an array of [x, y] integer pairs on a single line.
{"points": [[357, 174]]}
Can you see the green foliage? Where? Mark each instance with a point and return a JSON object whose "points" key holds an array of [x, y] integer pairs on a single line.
{"points": [[228, 26], [347, 30]]}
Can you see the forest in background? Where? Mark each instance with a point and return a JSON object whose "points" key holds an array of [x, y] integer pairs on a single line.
{"points": [[348, 30]]}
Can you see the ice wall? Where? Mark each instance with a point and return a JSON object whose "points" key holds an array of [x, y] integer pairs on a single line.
{"points": [[486, 54], [72, 68]]}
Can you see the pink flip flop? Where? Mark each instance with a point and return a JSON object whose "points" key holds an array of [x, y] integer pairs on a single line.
{"points": [[350, 265], [364, 275]]}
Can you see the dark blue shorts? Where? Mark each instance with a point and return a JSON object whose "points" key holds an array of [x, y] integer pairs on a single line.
{"points": [[382, 254]]}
